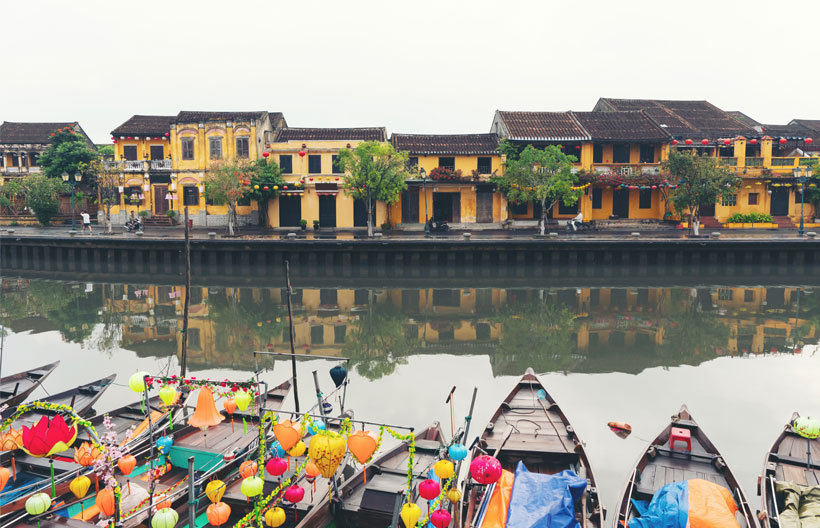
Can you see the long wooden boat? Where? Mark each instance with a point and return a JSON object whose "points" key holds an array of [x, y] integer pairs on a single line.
{"points": [[787, 460], [660, 465], [376, 501], [81, 399], [16, 388], [530, 427]]}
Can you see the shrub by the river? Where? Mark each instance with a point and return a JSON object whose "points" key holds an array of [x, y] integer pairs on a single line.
{"points": [[43, 197]]}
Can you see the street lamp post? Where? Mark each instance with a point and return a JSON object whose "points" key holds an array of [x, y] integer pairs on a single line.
{"points": [[423, 174], [802, 175], [73, 183]]}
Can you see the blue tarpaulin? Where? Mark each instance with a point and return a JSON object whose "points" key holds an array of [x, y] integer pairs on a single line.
{"points": [[669, 508], [544, 501]]}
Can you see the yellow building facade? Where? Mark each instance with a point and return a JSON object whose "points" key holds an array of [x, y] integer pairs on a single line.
{"points": [[315, 185]]}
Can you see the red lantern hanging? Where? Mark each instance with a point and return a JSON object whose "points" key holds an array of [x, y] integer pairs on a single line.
{"points": [[265, 154], [301, 153], [294, 494], [727, 141], [688, 141], [276, 466], [753, 141], [807, 141], [285, 187], [782, 141], [674, 141], [704, 141]]}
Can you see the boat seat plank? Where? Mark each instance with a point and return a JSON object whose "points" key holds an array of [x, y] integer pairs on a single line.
{"points": [[785, 447], [799, 449], [795, 474], [543, 444], [811, 478], [778, 473]]}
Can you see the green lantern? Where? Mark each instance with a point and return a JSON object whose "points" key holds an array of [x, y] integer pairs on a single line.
{"points": [[242, 400], [808, 428], [165, 518], [252, 486], [136, 381], [167, 394], [38, 503]]}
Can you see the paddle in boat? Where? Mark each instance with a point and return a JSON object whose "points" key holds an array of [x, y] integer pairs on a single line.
{"points": [[544, 463], [683, 471]]}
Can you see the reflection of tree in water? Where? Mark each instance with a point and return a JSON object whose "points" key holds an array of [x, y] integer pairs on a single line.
{"points": [[376, 342], [693, 334], [540, 334]]}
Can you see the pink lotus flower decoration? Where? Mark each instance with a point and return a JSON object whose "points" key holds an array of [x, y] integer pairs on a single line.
{"points": [[48, 437]]}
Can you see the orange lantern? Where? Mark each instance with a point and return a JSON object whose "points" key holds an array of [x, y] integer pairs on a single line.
{"points": [[287, 434], [205, 414], [160, 502], [248, 468], [86, 454], [362, 444], [218, 513], [105, 501], [126, 464], [312, 470], [10, 440], [230, 405], [4, 477]]}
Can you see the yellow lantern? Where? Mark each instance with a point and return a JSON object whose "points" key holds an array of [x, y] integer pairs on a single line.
{"points": [[242, 399], [215, 490], [410, 514], [298, 450], [327, 452], [79, 486], [454, 495], [136, 382], [275, 517], [444, 469]]}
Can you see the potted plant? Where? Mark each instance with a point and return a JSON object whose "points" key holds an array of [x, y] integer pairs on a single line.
{"points": [[172, 215], [303, 224], [315, 225], [144, 213]]}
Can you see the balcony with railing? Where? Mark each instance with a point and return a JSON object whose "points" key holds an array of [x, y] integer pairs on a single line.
{"points": [[732, 162], [20, 170], [161, 165], [626, 169], [133, 166], [783, 162], [754, 162]]}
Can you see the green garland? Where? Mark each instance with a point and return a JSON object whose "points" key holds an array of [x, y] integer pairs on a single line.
{"points": [[436, 502], [261, 506]]}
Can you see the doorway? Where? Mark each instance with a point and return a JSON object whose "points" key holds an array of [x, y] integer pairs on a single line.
{"points": [[290, 211], [780, 202], [327, 211], [483, 207], [707, 210], [160, 200], [447, 206], [360, 213], [620, 203], [410, 206]]}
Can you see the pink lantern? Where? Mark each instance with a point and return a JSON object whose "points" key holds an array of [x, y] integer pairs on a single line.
{"points": [[688, 141], [782, 141], [704, 141], [294, 494], [654, 186], [485, 469], [276, 466], [440, 518], [429, 489]]}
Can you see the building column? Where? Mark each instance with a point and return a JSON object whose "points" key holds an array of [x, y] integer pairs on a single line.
{"points": [[586, 156], [740, 151], [766, 151], [664, 154], [201, 145], [230, 144]]}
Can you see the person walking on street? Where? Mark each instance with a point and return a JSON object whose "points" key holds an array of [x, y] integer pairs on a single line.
{"points": [[576, 221], [86, 221]]}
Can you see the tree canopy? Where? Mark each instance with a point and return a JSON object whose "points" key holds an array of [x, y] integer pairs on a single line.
{"points": [[68, 152], [226, 184]]}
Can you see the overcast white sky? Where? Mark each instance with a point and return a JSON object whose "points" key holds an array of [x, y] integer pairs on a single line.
{"points": [[414, 66]]}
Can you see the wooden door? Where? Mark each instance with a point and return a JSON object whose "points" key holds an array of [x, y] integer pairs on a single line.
{"points": [[707, 210], [290, 211], [456, 208], [620, 203], [327, 211], [780, 202], [484, 207], [410, 206], [160, 201]]}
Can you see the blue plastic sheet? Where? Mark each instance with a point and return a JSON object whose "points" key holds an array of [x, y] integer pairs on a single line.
{"points": [[669, 508], [544, 501]]}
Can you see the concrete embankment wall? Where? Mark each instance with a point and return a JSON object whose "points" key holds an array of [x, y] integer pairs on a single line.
{"points": [[395, 261]]}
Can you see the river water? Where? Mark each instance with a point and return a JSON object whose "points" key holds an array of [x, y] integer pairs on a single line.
{"points": [[742, 357]]}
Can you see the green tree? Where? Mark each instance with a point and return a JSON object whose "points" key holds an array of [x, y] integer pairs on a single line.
{"points": [[701, 180], [376, 342], [43, 196], [105, 151], [13, 196], [266, 180], [543, 176], [374, 171], [66, 153], [226, 184], [107, 182]]}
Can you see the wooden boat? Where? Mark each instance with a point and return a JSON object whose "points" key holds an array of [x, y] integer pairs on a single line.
{"points": [[660, 465], [16, 388], [81, 399], [535, 431], [787, 460], [377, 502]]}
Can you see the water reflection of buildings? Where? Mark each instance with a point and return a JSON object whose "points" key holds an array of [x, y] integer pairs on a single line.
{"points": [[621, 329]]}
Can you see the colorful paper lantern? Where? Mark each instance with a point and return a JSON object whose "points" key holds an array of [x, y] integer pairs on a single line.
{"points": [[275, 517], [136, 382], [38, 503], [444, 469], [215, 490], [276, 466], [298, 450], [301, 153], [86, 454], [165, 518], [704, 141], [160, 502], [808, 140], [248, 468], [782, 141], [316, 426], [410, 514], [126, 464], [727, 142], [206, 415], [230, 405], [327, 452], [48, 437], [312, 471], [457, 452], [252, 486], [362, 444], [294, 494], [105, 501], [453, 495], [440, 518], [4, 477], [242, 399], [79, 486], [688, 141], [164, 443], [753, 141], [429, 489], [807, 427], [10, 440], [287, 434], [485, 469], [168, 395], [338, 374], [218, 513], [674, 141], [265, 154]]}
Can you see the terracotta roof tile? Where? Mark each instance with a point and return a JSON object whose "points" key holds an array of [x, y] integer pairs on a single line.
{"points": [[186, 116], [144, 125], [542, 126], [330, 134], [29, 132], [467, 144], [620, 126]]}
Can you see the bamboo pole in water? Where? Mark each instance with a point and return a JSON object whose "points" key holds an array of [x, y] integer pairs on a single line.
{"points": [[292, 337], [184, 358]]}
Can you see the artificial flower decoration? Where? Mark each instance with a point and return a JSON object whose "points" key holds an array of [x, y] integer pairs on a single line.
{"points": [[10, 440], [49, 436], [86, 454]]}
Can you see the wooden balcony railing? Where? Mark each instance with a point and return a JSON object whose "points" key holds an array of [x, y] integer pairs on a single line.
{"points": [[783, 162], [754, 162]]}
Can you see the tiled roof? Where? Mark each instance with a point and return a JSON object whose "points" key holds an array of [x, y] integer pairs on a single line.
{"points": [[330, 134], [542, 126], [811, 124], [468, 144], [144, 125], [693, 119], [743, 118], [201, 117], [620, 126], [29, 132], [275, 117], [790, 131]]}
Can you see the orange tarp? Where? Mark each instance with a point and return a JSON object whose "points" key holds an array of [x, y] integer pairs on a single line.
{"points": [[496, 516], [710, 505]]}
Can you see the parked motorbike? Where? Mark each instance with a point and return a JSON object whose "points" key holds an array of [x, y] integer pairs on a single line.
{"points": [[434, 226], [132, 226]]}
